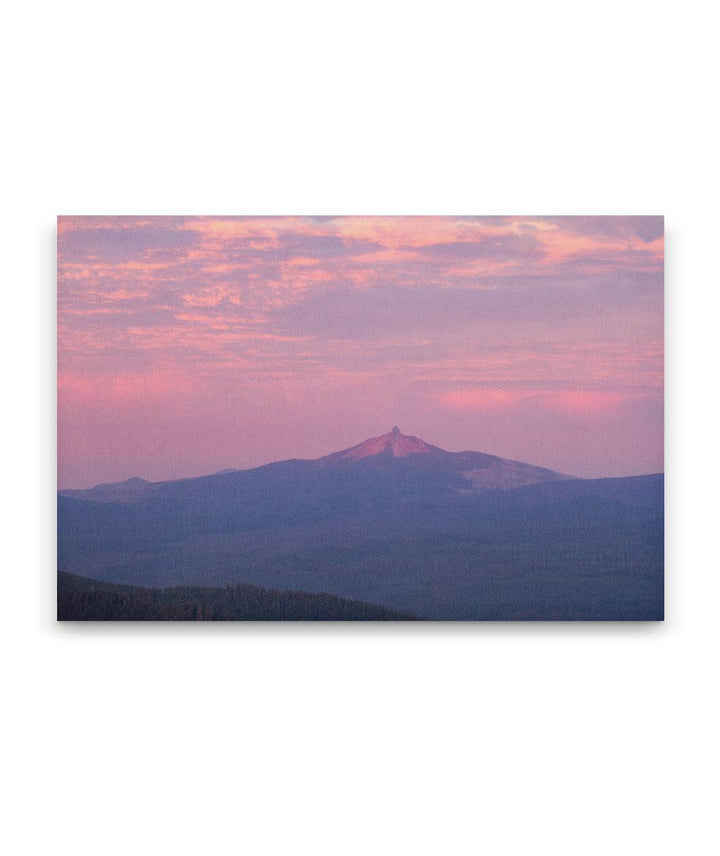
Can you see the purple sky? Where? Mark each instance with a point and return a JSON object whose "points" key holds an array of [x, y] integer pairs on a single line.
{"points": [[192, 344]]}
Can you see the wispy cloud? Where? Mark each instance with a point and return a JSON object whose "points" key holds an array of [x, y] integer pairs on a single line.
{"points": [[431, 316]]}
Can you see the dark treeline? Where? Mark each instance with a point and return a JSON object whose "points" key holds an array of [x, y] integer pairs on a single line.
{"points": [[82, 599]]}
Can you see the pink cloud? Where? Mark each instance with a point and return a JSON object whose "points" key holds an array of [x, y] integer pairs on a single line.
{"points": [[575, 402], [481, 399], [582, 402], [154, 313], [123, 386]]}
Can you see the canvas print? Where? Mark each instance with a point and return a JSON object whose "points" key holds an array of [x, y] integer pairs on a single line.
{"points": [[360, 418]]}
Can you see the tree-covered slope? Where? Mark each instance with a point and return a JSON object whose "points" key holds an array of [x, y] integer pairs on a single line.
{"points": [[83, 599]]}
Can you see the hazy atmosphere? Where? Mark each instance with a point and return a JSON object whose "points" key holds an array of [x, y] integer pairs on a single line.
{"points": [[190, 345]]}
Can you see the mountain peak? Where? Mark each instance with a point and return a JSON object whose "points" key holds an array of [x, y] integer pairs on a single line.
{"points": [[394, 444]]}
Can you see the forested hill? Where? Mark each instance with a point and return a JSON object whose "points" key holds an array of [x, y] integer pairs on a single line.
{"points": [[83, 599]]}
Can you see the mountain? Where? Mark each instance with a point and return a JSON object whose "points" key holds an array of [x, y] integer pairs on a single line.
{"points": [[124, 491], [393, 521], [393, 457], [394, 445]]}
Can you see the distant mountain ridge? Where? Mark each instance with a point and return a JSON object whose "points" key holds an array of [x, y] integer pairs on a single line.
{"points": [[467, 471]]}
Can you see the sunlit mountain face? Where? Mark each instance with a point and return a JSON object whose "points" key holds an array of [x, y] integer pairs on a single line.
{"points": [[394, 443]]}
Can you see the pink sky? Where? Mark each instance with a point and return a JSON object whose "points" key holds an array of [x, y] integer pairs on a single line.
{"points": [[192, 344]]}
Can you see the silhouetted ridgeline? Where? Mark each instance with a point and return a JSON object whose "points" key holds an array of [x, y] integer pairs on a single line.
{"points": [[83, 599]]}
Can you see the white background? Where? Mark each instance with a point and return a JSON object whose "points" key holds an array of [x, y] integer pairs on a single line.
{"points": [[359, 739]]}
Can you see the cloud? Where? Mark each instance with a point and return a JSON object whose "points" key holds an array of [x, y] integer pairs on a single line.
{"points": [[118, 245], [509, 247], [472, 315], [646, 228], [291, 245], [347, 312], [572, 402], [481, 399]]}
